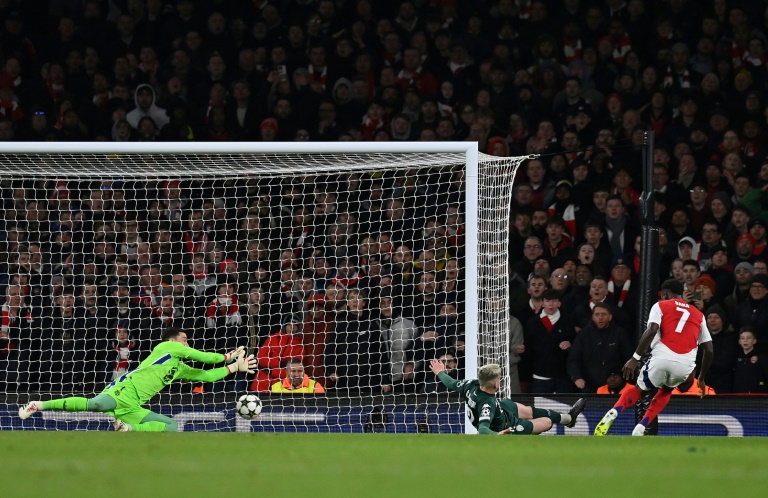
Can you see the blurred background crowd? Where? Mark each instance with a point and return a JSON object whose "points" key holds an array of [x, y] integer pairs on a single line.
{"points": [[363, 273]]}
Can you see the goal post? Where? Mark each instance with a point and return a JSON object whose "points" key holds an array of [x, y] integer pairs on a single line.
{"points": [[457, 200]]}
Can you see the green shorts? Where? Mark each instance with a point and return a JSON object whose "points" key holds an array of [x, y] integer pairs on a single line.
{"points": [[516, 424], [128, 408]]}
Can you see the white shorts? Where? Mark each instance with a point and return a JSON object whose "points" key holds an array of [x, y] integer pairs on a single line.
{"points": [[659, 372]]}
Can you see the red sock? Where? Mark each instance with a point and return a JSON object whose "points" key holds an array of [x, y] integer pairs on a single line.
{"points": [[628, 399], [657, 405]]}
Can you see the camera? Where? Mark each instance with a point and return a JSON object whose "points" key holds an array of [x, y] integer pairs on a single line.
{"points": [[694, 296]]}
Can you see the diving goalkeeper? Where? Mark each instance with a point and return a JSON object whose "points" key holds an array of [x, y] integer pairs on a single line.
{"points": [[123, 397]]}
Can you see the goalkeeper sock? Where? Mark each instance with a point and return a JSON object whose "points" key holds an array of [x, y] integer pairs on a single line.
{"points": [[628, 399], [73, 404], [555, 417], [657, 405]]}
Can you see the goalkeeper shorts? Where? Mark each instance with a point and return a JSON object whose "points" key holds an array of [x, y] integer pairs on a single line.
{"points": [[128, 408]]}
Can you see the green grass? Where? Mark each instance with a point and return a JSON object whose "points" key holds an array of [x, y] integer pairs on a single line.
{"points": [[85, 464]]}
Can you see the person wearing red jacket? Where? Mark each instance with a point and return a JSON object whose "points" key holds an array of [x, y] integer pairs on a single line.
{"points": [[276, 351]]}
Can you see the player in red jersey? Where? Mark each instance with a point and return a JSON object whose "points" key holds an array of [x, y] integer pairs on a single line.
{"points": [[675, 331]]}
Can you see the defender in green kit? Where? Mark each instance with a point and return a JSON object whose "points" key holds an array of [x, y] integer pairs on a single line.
{"points": [[502, 416], [123, 397]]}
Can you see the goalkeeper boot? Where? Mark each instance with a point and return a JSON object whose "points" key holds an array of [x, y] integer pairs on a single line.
{"points": [[639, 430], [575, 410], [121, 426], [27, 410], [606, 422]]}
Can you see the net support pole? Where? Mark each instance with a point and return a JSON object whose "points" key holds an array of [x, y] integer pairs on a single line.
{"points": [[649, 261], [649, 265], [471, 325]]}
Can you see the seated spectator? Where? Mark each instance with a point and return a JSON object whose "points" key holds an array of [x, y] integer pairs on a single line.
{"points": [[615, 382], [296, 381], [691, 387]]}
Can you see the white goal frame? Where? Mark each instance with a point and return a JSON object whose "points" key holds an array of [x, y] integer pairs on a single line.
{"points": [[468, 149]]}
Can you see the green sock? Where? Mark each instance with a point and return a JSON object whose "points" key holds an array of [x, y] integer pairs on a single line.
{"points": [[150, 427], [73, 404], [550, 414]]}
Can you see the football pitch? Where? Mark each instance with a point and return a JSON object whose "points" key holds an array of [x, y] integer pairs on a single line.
{"points": [[85, 464]]}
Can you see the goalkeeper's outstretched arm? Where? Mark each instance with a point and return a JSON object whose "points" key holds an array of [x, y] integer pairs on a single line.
{"points": [[241, 364], [175, 343]]}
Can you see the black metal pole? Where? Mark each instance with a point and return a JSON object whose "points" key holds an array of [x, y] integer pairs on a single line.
{"points": [[649, 266]]}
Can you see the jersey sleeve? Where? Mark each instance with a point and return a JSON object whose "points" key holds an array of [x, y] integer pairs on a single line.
{"points": [[181, 351], [485, 414], [449, 382], [704, 335], [189, 373], [655, 315]]}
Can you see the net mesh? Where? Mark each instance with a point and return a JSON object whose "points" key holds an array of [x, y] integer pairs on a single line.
{"points": [[353, 264]]}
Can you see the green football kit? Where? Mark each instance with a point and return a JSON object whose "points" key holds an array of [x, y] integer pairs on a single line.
{"points": [[488, 414], [124, 396]]}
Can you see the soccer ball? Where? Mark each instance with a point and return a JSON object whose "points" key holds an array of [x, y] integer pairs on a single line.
{"points": [[248, 406]]}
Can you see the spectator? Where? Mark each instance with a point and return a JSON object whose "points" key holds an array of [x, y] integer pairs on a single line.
{"points": [[614, 383], [16, 337], [122, 355], [548, 338], [558, 245], [146, 107], [357, 351], [753, 311], [596, 350], [620, 288], [720, 375], [399, 333], [516, 350], [296, 381], [66, 347], [276, 351], [620, 230], [750, 375], [432, 383]]}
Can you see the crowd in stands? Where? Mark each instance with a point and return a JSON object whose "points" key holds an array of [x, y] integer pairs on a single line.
{"points": [[359, 275]]}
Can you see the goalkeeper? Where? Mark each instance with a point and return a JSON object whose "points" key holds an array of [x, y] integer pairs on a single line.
{"points": [[502, 416], [123, 398]]}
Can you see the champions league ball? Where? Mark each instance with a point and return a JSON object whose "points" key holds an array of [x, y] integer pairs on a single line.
{"points": [[248, 406]]}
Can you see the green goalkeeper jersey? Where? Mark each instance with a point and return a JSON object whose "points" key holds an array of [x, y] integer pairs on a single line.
{"points": [[164, 365], [485, 412]]}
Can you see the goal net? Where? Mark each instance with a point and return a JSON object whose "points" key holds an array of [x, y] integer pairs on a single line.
{"points": [[345, 268]]}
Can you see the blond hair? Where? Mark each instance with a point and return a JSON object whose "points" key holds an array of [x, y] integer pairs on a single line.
{"points": [[489, 374]]}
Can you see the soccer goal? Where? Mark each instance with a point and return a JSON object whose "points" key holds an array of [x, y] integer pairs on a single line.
{"points": [[362, 260]]}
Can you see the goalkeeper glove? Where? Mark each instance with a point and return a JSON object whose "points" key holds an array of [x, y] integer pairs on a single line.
{"points": [[234, 354], [243, 364]]}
